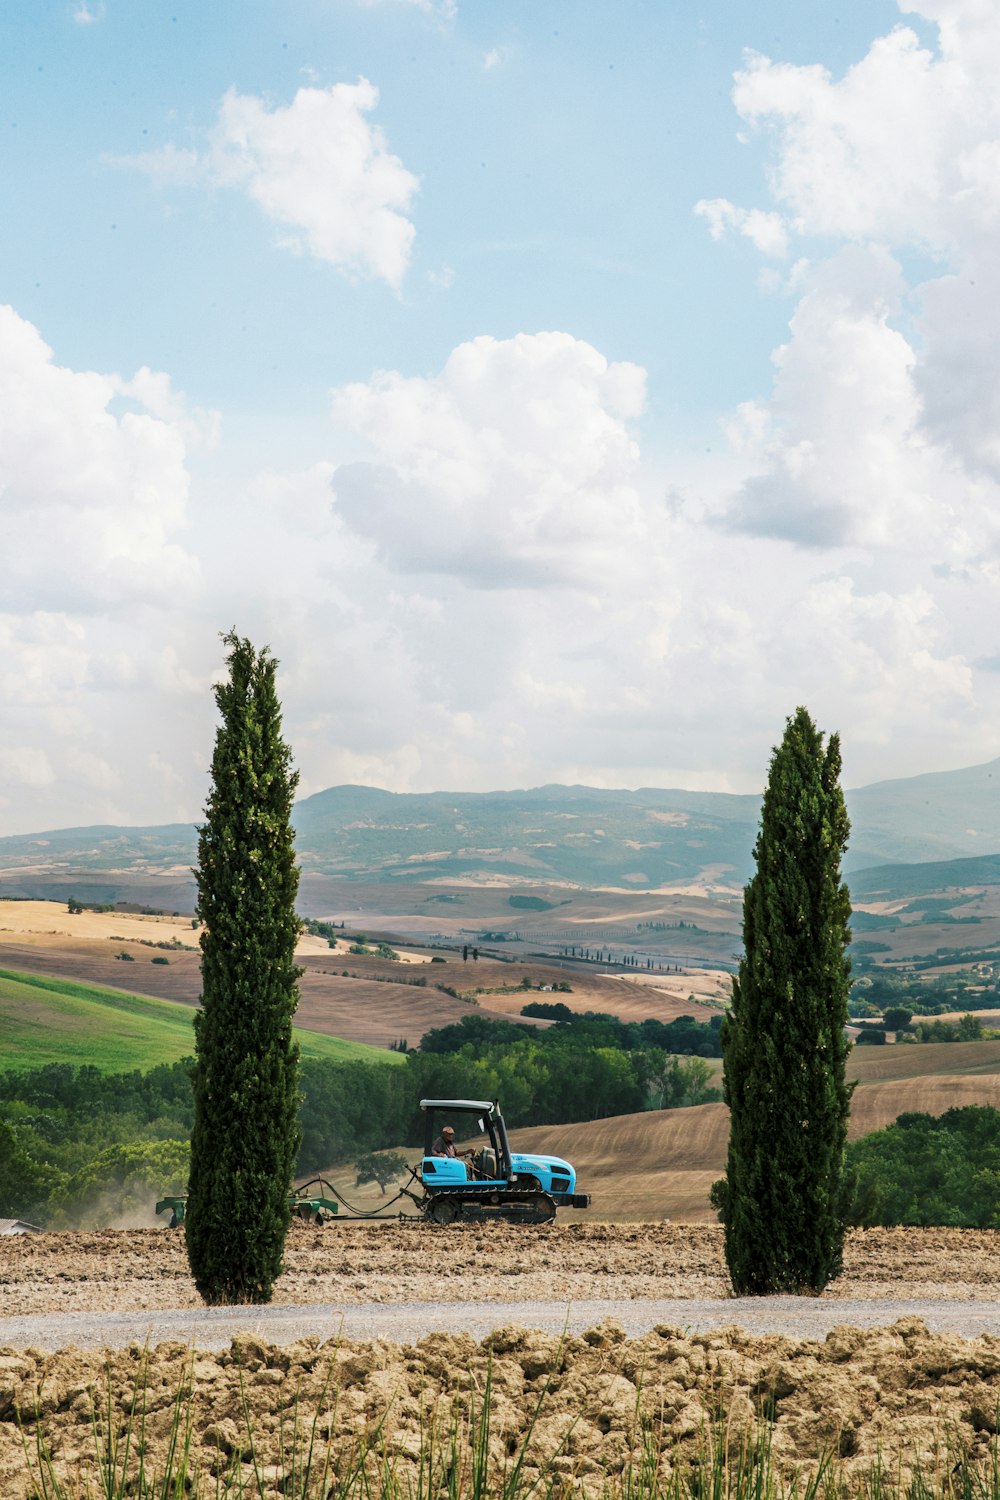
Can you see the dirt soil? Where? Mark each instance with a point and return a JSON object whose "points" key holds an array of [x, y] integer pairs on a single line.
{"points": [[137, 1270], [858, 1393], [586, 1410]]}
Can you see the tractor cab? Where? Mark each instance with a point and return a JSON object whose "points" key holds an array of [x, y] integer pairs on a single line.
{"points": [[490, 1164]]}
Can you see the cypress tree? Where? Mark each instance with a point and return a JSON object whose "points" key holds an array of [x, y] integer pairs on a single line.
{"points": [[783, 1040], [246, 1134]]}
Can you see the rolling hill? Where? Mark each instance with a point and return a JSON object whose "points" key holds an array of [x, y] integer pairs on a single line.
{"points": [[47, 1020], [62, 1001], [568, 836]]}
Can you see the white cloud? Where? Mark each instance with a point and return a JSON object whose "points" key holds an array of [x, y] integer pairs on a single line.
{"points": [[91, 502], [869, 507], [317, 168], [903, 148], [43, 659], [766, 231], [86, 15], [840, 447], [882, 427], [886, 653], [153, 392], [94, 495], [513, 467], [25, 767]]}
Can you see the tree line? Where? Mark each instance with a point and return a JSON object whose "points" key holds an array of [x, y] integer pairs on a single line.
{"points": [[923, 1170], [591, 1028], [874, 992], [77, 1144], [58, 1120]]}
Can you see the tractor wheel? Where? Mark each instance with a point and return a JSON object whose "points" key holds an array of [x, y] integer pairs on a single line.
{"points": [[539, 1209], [444, 1211]]}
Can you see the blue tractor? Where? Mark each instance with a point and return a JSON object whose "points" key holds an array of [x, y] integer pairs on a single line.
{"points": [[490, 1182]]}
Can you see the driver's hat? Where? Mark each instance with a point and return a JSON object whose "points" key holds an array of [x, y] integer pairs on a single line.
{"points": [[448, 1130]]}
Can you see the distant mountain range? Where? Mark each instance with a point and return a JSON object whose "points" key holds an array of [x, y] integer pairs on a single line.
{"points": [[575, 835]]}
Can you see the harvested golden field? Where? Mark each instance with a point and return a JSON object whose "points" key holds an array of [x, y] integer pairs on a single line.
{"points": [[661, 1164], [923, 1060], [367, 1004]]}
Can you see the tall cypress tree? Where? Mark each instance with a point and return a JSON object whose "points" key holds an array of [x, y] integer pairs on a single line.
{"points": [[246, 1134], [783, 1040]]}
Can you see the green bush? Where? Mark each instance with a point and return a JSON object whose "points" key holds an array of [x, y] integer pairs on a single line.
{"points": [[897, 1018], [927, 1171], [25, 1182], [967, 1028]]}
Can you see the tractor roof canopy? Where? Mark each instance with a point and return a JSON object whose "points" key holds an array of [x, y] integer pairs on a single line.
{"points": [[465, 1106]]}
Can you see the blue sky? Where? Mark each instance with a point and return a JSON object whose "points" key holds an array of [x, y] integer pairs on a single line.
{"points": [[564, 391]]}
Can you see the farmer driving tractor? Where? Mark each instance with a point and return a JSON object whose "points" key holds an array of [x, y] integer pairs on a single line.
{"points": [[445, 1144]]}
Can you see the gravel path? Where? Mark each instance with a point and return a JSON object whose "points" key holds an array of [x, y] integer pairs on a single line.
{"points": [[111, 1288], [405, 1323]]}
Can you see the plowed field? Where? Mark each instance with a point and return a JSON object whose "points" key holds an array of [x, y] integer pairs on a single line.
{"points": [[587, 1407], [115, 1270]]}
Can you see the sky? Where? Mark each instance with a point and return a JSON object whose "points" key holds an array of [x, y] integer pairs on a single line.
{"points": [[563, 391]]}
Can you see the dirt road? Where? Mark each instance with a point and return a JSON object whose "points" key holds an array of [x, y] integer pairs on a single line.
{"points": [[403, 1281], [212, 1329]]}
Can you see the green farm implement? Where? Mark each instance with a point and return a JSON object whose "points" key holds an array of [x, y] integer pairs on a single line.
{"points": [[314, 1202]]}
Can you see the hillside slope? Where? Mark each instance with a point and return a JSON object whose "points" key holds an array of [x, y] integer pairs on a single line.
{"points": [[47, 1020]]}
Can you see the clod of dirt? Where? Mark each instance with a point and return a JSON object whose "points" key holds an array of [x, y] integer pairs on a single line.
{"points": [[585, 1408]]}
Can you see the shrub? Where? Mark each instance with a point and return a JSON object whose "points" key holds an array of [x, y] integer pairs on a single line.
{"points": [[926, 1171]]}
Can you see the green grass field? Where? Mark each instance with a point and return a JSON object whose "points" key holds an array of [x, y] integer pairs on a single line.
{"points": [[46, 1020]]}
